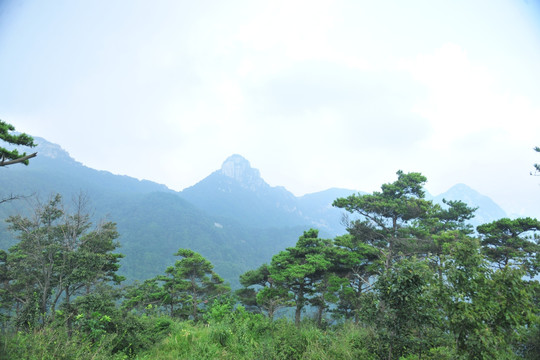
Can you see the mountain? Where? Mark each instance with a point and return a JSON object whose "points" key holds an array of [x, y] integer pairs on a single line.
{"points": [[238, 192], [54, 170], [318, 208], [487, 211], [153, 221], [154, 226], [232, 217]]}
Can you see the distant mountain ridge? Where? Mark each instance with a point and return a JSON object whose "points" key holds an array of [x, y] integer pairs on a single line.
{"points": [[232, 217], [153, 221], [54, 170], [237, 191], [487, 211]]}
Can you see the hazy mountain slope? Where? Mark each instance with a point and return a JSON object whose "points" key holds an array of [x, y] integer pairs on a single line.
{"points": [[154, 226], [487, 211], [53, 170], [232, 217], [238, 192], [317, 207], [154, 222]]}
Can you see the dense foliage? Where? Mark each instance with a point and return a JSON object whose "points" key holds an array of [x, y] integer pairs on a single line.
{"points": [[411, 280], [153, 222], [537, 166], [10, 157]]}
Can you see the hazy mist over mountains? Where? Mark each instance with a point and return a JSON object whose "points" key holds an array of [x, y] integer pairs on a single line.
{"points": [[232, 217]]}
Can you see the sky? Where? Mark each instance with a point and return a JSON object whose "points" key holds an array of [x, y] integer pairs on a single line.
{"points": [[315, 94]]}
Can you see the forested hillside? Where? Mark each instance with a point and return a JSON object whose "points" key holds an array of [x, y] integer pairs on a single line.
{"points": [[411, 278], [232, 217], [269, 180], [153, 220]]}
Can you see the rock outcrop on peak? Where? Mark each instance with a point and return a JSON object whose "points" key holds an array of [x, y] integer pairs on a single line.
{"points": [[46, 149], [238, 168], [237, 191]]}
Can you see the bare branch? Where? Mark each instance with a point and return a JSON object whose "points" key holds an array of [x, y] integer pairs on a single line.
{"points": [[16, 161], [12, 197]]}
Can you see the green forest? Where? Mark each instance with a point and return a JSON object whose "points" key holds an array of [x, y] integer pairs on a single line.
{"points": [[409, 280]]}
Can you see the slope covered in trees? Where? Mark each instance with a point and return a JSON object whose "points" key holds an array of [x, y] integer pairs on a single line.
{"points": [[154, 221], [409, 280]]}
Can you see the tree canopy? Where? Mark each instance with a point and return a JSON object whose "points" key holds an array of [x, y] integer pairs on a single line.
{"points": [[411, 280], [508, 242], [10, 157], [537, 166], [59, 256], [386, 215]]}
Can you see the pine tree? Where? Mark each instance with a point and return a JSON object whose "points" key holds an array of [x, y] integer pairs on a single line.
{"points": [[10, 157]]}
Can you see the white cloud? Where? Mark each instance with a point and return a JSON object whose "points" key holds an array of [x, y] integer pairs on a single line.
{"points": [[314, 93]]}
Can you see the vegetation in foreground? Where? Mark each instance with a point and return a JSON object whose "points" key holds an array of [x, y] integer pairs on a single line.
{"points": [[411, 280]]}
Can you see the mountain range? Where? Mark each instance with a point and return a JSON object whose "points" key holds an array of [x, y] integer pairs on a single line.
{"points": [[232, 217]]}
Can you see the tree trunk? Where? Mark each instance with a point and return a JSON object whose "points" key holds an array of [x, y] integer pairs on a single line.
{"points": [[394, 236], [299, 305], [68, 321], [297, 315], [320, 311], [194, 298], [271, 311]]}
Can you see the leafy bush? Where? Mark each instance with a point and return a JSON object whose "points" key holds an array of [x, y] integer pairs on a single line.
{"points": [[53, 343]]}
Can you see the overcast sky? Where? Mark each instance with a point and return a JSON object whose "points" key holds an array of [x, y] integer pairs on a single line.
{"points": [[315, 94]]}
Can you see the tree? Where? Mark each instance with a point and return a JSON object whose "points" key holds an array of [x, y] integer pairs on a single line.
{"points": [[145, 297], [10, 157], [190, 284], [515, 243], [536, 166], [485, 308], [298, 268], [387, 215], [407, 308], [260, 292], [58, 257], [356, 263], [328, 282], [442, 225], [32, 263], [453, 215]]}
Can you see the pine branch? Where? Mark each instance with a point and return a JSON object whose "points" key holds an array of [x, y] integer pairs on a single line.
{"points": [[18, 160]]}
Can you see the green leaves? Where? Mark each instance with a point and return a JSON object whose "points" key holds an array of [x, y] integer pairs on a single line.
{"points": [[57, 257], [385, 216], [406, 305], [9, 157], [485, 307], [514, 243], [536, 166], [190, 284], [261, 291], [298, 269]]}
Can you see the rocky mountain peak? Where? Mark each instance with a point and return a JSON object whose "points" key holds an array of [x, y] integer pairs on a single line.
{"points": [[45, 149], [50, 150], [239, 169]]}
